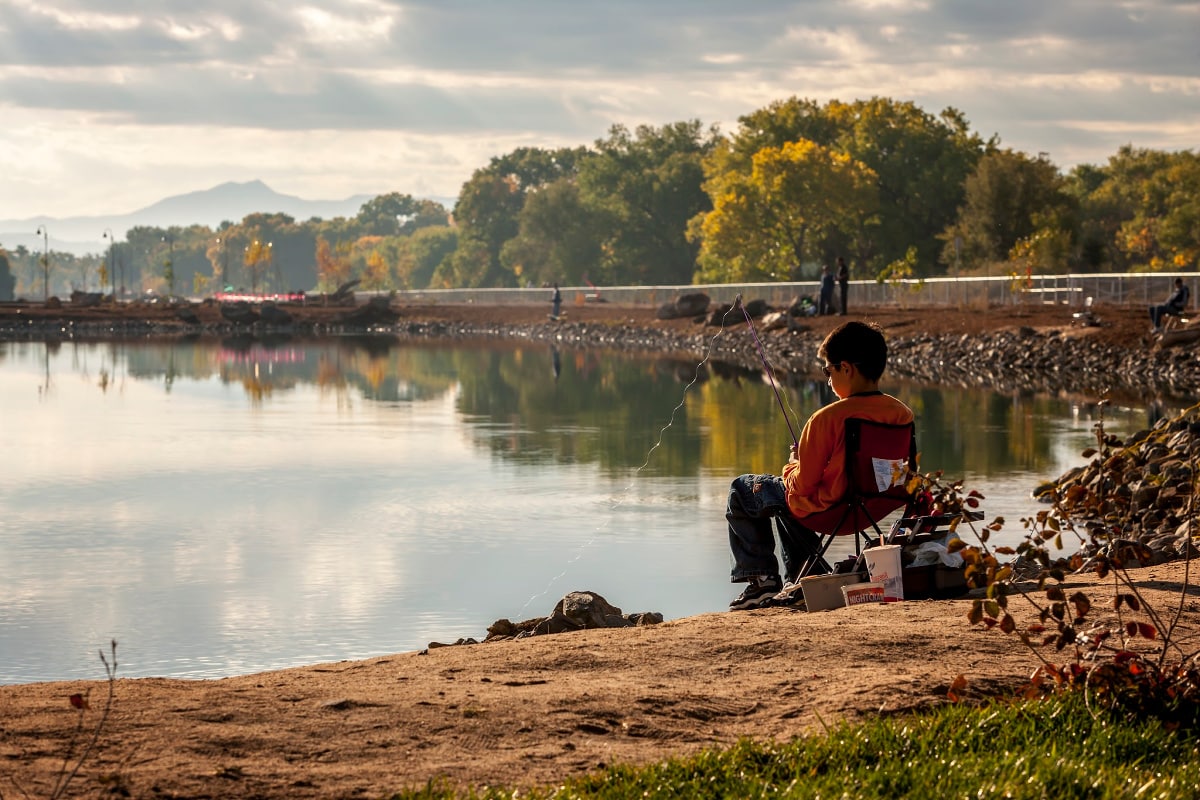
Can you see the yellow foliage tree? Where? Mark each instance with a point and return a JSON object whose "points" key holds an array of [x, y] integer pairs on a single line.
{"points": [[333, 269], [378, 275], [257, 259], [766, 223]]}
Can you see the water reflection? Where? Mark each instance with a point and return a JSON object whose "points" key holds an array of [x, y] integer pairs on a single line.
{"points": [[593, 406], [229, 506]]}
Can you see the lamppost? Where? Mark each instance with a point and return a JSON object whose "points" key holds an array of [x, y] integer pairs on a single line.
{"points": [[45, 234], [223, 243], [112, 271]]}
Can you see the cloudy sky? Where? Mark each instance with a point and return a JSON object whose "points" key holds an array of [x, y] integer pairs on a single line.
{"points": [[110, 105]]}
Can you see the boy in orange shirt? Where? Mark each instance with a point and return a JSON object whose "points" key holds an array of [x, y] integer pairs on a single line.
{"points": [[855, 354]]}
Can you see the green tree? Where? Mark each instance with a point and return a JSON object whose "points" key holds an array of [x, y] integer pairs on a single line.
{"points": [[1013, 203], [558, 238], [397, 214], [470, 260], [921, 162], [489, 206], [644, 187], [422, 254], [767, 223], [8, 281]]}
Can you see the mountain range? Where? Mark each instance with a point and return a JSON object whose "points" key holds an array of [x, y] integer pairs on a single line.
{"points": [[228, 201]]}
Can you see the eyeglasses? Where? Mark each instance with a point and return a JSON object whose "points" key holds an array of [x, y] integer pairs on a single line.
{"points": [[829, 369]]}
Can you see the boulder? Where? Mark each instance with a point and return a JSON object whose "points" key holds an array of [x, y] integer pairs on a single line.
{"points": [[666, 311], [239, 313], [692, 304], [85, 299], [377, 311], [272, 314], [757, 308], [187, 316], [723, 314], [575, 611]]}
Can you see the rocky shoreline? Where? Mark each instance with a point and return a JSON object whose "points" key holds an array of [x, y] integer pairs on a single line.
{"points": [[1024, 360]]}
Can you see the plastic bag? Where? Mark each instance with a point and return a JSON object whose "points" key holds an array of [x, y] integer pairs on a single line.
{"points": [[930, 553]]}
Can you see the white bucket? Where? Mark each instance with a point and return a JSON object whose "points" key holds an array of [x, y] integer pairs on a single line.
{"points": [[885, 566], [859, 593]]}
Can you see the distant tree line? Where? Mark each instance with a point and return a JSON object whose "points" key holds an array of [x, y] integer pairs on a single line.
{"points": [[897, 191]]}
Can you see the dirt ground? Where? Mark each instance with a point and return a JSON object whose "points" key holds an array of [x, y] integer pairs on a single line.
{"points": [[538, 710], [532, 711]]}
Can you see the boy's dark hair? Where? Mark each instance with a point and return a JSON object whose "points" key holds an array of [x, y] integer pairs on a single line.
{"points": [[859, 343]]}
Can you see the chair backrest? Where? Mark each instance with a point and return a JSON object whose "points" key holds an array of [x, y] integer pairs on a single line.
{"points": [[880, 459]]}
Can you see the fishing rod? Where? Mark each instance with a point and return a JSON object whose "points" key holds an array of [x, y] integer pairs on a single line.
{"points": [[737, 301]]}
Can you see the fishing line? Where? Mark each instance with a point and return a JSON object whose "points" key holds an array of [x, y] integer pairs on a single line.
{"points": [[620, 499], [767, 365]]}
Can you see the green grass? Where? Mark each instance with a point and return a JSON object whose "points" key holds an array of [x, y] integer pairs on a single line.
{"points": [[1051, 749]]}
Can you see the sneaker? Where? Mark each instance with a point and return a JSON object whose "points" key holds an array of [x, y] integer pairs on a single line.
{"points": [[759, 592], [791, 596]]}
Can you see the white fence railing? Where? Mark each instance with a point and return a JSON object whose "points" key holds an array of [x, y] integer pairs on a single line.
{"points": [[1073, 290]]}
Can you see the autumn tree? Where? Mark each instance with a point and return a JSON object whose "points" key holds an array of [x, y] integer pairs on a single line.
{"points": [[377, 275], [257, 258], [1178, 228], [919, 160], [768, 222], [333, 267], [1143, 205]]}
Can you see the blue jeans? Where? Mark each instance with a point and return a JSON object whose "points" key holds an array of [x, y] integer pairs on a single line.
{"points": [[755, 501]]}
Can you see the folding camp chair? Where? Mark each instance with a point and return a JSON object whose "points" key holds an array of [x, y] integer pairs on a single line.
{"points": [[880, 459]]}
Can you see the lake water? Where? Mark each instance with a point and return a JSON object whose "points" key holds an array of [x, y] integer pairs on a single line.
{"points": [[222, 508]]}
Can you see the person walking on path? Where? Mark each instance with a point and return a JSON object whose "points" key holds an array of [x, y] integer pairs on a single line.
{"points": [[843, 280], [556, 301], [855, 354], [1175, 305], [825, 304]]}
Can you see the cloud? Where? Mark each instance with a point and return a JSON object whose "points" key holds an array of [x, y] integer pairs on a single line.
{"points": [[1075, 76]]}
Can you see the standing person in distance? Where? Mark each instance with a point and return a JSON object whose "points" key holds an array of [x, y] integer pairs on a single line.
{"points": [[825, 304], [556, 302], [843, 280]]}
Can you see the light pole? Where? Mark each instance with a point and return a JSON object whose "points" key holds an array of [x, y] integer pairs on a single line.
{"points": [[223, 243], [112, 272], [45, 234]]}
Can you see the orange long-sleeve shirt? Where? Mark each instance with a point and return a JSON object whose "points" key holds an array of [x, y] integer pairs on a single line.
{"points": [[817, 478]]}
